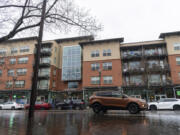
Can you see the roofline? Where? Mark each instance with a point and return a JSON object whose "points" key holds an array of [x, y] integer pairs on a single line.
{"points": [[21, 39], [102, 41], [141, 42], [90, 37], [163, 35]]}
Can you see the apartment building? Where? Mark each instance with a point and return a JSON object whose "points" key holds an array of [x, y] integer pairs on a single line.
{"points": [[75, 67], [148, 69], [59, 70], [16, 68], [101, 65]]}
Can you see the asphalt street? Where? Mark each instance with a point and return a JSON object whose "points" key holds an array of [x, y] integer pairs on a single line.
{"points": [[86, 123]]}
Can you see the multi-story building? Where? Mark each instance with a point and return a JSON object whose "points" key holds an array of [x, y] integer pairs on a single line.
{"points": [[16, 68], [148, 69], [76, 67]]}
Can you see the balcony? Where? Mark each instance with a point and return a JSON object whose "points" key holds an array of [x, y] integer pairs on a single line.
{"points": [[135, 70], [43, 75], [155, 55], [43, 87], [139, 84], [158, 68], [45, 64], [133, 56], [46, 52]]}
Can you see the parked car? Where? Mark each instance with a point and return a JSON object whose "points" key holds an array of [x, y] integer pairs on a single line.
{"points": [[114, 100], [40, 105], [11, 105], [165, 103], [76, 104]]}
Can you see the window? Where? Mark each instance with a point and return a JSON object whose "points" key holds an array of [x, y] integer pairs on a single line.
{"points": [[45, 60], [134, 65], [152, 63], [95, 66], [154, 78], [0, 72], [107, 52], [2, 61], [136, 80], [19, 84], [43, 84], [104, 94], [107, 66], [9, 84], [3, 51], [44, 72], [95, 80], [72, 85], [23, 60], [54, 84], [14, 50], [24, 49], [179, 75], [11, 72], [178, 60], [54, 72], [95, 53], [176, 46], [71, 66], [21, 71], [12, 61], [107, 79]]}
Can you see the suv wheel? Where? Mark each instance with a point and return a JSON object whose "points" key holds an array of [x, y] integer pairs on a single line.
{"points": [[176, 107], [97, 108], [133, 108], [153, 108]]}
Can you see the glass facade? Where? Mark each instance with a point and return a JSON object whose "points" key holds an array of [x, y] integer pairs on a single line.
{"points": [[71, 66]]}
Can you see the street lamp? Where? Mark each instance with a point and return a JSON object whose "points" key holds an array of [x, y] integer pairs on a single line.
{"points": [[99, 70], [14, 79]]}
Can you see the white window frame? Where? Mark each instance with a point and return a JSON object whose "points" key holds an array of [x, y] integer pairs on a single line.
{"points": [[95, 66], [20, 83], [177, 60], [23, 60], [24, 49], [107, 79], [95, 80], [176, 46]]}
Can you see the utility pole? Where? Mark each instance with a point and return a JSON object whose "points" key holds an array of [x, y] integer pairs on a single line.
{"points": [[36, 66]]}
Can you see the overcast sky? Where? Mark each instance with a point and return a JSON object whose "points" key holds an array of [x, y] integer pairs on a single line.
{"points": [[135, 20]]}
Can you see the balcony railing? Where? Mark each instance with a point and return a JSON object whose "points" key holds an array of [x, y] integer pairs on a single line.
{"points": [[131, 56], [43, 87], [157, 67], [125, 84], [45, 63], [133, 70], [46, 52], [43, 75], [154, 54]]}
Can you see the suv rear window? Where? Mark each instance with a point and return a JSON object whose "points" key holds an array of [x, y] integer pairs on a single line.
{"points": [[104, 94]]}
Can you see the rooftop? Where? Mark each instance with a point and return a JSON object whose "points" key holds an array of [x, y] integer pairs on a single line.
{"points": [[163, 35], [102, 41]]}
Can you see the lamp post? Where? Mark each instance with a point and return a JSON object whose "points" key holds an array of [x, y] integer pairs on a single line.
{"points": [[99, 70], [14, 79]]}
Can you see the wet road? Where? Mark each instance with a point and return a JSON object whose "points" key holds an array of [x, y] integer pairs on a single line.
{"points": [[86, 123]]}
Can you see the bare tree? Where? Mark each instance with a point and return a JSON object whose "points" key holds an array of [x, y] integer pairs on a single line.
{"points": [[19, 16]]}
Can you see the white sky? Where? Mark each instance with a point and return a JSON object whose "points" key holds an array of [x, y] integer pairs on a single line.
{"points": [[135, 20]]}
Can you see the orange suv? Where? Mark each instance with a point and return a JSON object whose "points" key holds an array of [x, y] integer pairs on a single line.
{"points": [[114, 100]]}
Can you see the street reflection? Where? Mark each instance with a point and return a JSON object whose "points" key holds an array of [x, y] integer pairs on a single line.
{"points": [[86, 123]]}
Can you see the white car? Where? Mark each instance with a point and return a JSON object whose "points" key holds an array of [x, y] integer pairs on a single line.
{"points": [[11, 105], [165, 103]]}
